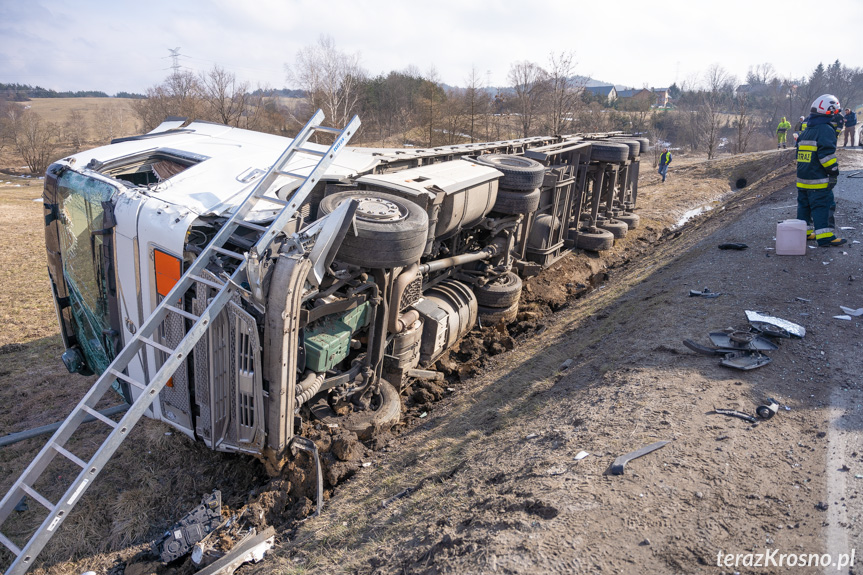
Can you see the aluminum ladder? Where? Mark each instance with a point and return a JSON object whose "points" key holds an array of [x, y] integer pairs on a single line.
{"points": [[147, 335]]}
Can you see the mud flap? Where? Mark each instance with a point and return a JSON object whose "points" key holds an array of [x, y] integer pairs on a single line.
{"points": [[306, 444]]}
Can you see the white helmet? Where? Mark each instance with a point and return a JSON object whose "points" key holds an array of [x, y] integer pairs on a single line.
{"points": [[826, 105]]}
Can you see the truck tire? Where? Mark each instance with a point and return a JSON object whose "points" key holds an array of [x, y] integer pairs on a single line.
{"points": [[519, 173], [544, 225], [607, 151], [594, 242], [391, 231], [645, 145], [363, 423], [617, 228], [501, 292], [514, 202], [489, 316], [631, 220], [634, 146]]}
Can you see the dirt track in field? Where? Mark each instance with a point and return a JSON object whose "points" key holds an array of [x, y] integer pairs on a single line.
{"points": [[482, 476]]}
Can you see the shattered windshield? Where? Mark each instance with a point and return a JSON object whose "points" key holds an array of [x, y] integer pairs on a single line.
{"points": [[80, 200]]}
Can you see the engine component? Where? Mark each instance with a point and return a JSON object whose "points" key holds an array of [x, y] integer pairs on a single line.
{"points": [[449, 311], [404, 352], [200, 521], [328, 341]]}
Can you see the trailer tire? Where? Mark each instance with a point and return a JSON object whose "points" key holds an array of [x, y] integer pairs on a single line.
{"points": [[519, 173], [501, 292], [599, 241], [645, 145], [617, 228], [515, 202], [363, 423], [634, 146], [631, 220], [607, 151], [390, 237], [491, 316]]}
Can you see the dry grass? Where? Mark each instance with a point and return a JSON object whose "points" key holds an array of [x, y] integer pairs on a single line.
{"points": [[95, 112]]}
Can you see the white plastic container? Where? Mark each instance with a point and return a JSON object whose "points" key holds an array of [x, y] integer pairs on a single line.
{"points": [[791, 238]]}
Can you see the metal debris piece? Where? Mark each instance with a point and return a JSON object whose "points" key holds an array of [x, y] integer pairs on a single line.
{"points": [[737, 414], [792, 328], [620, 462], [250, 550], [705, 293], [566, 365], [850, 311], [200, 521], [803, 299], [845, 317], [767, 411], [306, 444], [738, 359], [581, 455], [737, 340]]}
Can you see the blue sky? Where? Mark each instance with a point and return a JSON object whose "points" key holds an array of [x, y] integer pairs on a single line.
{"points": [[120, 45]]}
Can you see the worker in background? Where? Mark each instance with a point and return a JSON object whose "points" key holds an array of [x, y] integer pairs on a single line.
{"points": [[850, 127], [817, 171], [664, 160], [798, 129], [782, 132]]}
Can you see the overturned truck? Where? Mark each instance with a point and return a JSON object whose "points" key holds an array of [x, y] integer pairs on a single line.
{"points": [[438, 242], [231, 283]]}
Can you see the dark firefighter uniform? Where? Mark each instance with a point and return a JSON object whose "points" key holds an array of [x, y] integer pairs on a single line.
{"points": [[817, 170]]}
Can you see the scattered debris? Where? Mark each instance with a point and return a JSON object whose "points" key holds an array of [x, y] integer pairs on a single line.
{"points": [[847, 228], [845, 317], [620, 462], [366, 464], [566, 365], [733, 246], [767, 411], [706, 293], [790, 327], [737, 359], [821, 506], [581, 455], [200, 521], [803, 299], [249, 550], [737, 414], [849, 311], [22, 506], [424, 414], [556, 470], [737, 340], [532, 436]]}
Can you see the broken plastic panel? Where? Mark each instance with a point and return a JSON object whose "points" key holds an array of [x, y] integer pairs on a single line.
{"points": [[792, 328]]}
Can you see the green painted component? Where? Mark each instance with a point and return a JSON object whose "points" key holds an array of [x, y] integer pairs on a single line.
{"points": [[328, 341]]}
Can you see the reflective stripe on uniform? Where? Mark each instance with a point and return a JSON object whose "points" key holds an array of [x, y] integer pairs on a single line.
{"points": [[812, 143], [808, 148], [812, 184], [828, 161]]}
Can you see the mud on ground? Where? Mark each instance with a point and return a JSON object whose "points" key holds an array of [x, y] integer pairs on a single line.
{"points": [[473, 476]]}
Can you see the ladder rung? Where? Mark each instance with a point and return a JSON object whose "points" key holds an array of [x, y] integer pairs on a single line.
{"points": [[126, 378], [273, 200], [251, 226], [228, 253], [326, 129], [155, 344], [9, 545], [310, 151], [37, 496], [290, 175], [100, 417], [182, 312], [206, 282], [69, 455]]}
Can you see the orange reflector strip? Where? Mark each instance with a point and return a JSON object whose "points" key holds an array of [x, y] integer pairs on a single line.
{"points": [[170, 382], [168, 272]]}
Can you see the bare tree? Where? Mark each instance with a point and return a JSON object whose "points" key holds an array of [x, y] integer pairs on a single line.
{"points": [[226, 99], [432, 97], [76, 129], [744, 125], [528, 81], [110, 122], [711, 120], [32, 138], [179, 95], [331, 79], [562, 93], [476, 102]]}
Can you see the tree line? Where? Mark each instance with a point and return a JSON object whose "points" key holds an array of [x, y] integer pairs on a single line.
{"points": [[712, 113]]}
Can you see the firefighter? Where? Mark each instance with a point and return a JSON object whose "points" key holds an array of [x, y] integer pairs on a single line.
{"points": [[817, 171], [782, 132]]}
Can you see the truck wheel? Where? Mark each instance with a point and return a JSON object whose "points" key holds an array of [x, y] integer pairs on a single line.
{"points": [[594, 242], [645, 144], [634, 146], [608, 152], [617, 228], [518, 173], [631, 220], [363, 423], [489, 316], [512, 202], [501, 292], [391, 231]]}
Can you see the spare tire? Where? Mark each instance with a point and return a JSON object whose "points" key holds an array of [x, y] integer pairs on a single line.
{"points": [[513, 202], [634, 146], [391, 231], [519, 173], [608, 151], [501, 292]]}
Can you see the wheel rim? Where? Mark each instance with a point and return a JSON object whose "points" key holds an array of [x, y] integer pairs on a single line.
{"points": [[379, 210]]}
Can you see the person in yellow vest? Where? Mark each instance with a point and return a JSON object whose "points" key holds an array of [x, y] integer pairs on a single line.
{"points": [[782, 132]]}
